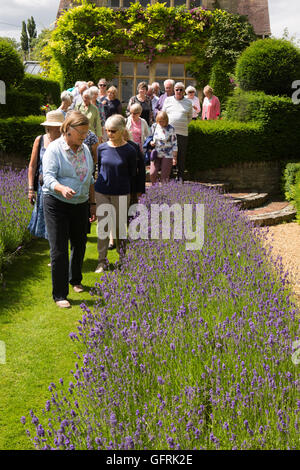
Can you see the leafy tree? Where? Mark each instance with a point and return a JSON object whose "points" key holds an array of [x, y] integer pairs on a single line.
{"points": [[24, 40], [39, 43], [11, 66], [32, 32]]}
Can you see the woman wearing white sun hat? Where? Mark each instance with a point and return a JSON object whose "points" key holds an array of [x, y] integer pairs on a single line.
{"points": [[54, 120]]}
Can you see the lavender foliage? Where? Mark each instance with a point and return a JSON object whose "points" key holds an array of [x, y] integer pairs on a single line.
{"points": [[15, 211], [184, 349]]}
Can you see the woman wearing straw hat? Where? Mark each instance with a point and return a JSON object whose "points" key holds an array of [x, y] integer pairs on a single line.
{"points": [[68, 193], [54, 120]]}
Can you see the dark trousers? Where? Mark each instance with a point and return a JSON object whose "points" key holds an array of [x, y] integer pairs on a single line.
{"points": [[65, 221], [182, 142]]}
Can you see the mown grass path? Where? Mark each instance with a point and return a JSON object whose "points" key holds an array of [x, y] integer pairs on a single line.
{"points": [[36, 334]]}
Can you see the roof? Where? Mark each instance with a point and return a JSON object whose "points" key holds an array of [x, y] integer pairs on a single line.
{"points": [[33, 67]]}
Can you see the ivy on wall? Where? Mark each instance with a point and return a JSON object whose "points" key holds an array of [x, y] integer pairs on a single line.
{"points": [[87, 39]]}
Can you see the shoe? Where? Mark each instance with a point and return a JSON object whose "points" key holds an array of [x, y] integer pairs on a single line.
{"points": [[79, 288], [63, 303], [111, 246], [100, 269]]}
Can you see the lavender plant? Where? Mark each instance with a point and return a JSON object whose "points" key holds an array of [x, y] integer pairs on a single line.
{"points": [[184, 349], [15, 211]]}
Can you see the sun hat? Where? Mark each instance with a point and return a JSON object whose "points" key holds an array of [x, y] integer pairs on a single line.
{"points": [[54, 118]]}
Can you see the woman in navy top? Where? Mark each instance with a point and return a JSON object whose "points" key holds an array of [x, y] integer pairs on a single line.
{"points": [[116, 169]]}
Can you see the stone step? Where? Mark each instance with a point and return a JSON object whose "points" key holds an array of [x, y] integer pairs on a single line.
{"points": [[247, 200], [273, 213]]}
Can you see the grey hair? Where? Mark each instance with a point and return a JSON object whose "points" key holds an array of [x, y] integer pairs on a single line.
{"points": [[94, 90], [190, 88], [66, 96], [136, 107], [87, 93], [116, 121], [169, 80], [179, 84]]}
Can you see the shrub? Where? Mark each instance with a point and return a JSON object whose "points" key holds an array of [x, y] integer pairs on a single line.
{"points": [[21, 103], [296, 194], [220, 81], [215, 144], [17, 134], [48, 89], [290, 174], [11, 67], [269, 65], [15, 212], [278, 115]]}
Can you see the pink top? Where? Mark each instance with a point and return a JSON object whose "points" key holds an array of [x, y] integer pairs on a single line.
{"points": [[211, 108], [136, 132]]}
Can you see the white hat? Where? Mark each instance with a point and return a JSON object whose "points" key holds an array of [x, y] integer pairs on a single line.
{"points": [[54, 118]]}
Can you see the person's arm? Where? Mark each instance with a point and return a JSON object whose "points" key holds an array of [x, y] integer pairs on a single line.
{"points": [[32, 169], [190, 112], [97, 123]]}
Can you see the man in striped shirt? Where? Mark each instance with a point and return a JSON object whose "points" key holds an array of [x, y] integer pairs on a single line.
{"points": [[180, 112]]}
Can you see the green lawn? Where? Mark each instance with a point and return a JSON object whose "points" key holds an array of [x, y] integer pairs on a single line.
{"points": [[36, 335]]}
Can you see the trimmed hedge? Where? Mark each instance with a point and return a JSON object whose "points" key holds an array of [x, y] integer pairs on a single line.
{"points": [[21, 103], [279, 116], [11, 67], [48, 89], [17, 134], [216, 144], [297, 195], [269, 65]]}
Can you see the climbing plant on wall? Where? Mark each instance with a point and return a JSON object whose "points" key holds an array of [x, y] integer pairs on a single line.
{"points": [[87, 39]]}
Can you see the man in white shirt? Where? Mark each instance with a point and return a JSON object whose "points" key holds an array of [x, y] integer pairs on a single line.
{"points": [[180, 112]]}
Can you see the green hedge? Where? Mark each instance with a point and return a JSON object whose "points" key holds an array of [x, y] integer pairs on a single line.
{"points": [[290, 174], [49, 89], [297, 195], [17, 134], [279, 116], [21, 103], [215, 144]]}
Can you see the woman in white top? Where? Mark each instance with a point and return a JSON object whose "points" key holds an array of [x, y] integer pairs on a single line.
{"points": [[191, 95]]}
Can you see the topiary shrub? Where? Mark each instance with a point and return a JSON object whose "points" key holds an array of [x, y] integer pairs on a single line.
{"points": [[17, 134], [49, 89], [11, 67], [269, 65], [220, 81], [21, 103]]}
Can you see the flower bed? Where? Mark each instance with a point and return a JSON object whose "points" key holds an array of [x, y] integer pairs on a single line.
{"points": [[184, 349], [15, 212]]}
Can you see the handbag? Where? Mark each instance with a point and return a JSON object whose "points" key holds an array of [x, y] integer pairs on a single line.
{"points": [[37, 177], [153, 155]]}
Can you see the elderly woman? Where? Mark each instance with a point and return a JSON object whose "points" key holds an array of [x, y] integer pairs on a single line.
{"points": [[112, 105], [54, 120], [91, 112], [190, 93], [211, 108], [117, 161], [68, 191], [137, 126], [66, 101], [144, 101], [165, 143]]}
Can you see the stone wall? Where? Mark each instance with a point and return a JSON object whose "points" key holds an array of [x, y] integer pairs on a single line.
{"points": [[247, 176], [15, 161]]}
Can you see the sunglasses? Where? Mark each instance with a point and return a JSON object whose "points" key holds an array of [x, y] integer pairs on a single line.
{"points": [[191, 92], [113, 131], [102, 84], [179, 89]]}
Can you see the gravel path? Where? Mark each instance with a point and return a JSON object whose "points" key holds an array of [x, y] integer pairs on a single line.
{"points": [[285, 242]]}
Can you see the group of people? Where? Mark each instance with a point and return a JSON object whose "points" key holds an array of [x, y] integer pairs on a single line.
{"points": [[92, 158]]}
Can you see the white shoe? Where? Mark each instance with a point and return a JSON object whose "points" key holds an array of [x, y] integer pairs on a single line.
{"points": [[63, 303], [100, 269]]}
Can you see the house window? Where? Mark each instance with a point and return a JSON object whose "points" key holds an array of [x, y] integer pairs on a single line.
{"points": [[132, 73]]}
